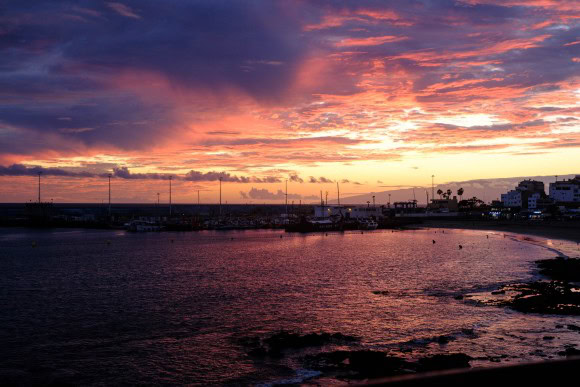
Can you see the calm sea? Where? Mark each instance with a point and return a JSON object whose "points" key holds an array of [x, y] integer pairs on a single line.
{"points": [[110, 307]]}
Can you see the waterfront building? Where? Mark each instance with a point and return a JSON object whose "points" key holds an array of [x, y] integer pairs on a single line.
{"points": [[348, 212], [444, 205], [566, 191], [536, 201], [519, 197]]}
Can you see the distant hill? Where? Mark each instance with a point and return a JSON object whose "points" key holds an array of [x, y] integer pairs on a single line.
{"points": [[485, 189]]}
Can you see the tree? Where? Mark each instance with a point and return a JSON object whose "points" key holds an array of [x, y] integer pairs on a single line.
{"points": [[449, 192], [439, 192], [460, 193]]}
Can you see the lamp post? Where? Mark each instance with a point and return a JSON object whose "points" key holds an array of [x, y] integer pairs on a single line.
{"points": [[109, 176], [432, 186]]}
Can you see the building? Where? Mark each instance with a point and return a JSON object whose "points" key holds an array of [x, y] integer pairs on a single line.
{"points": [[519, 197], [566, 191], [348, 212], [537, 202], [444, 205]]}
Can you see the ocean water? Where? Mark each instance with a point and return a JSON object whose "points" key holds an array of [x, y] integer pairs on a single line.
{"points": [[110, 307]]}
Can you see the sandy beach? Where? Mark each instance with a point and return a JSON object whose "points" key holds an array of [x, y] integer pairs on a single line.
{"points": [[569, 230]]}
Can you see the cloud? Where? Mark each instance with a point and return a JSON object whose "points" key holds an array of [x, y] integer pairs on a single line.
{"points": [[124, 173], [123, 10], [295, 178], [264, 194], [22, 170], [320, 180]]}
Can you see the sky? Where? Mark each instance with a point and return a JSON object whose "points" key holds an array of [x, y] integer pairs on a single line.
{"points": [[366, 93]]}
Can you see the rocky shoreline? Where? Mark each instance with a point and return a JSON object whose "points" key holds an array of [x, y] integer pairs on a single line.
{"points": [[558, 294], [343, 357]]}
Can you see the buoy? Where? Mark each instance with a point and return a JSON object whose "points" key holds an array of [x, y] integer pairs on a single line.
{"points": [[280, 236], [460, 247], [362, 232], [433, 241], [443, 231], [326, 234], [487, 236], [232, 238]]}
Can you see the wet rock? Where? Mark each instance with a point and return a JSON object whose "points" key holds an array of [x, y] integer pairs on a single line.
{"points": [[573, 327], [548, 337], [443, 362], [548, 297], [444, 339], [569, 352], [565, 269], [380, 292], [469, 332], [357, 364], [559, 326], [495, 292], [459, 297], [363, 364], [281, 341]]}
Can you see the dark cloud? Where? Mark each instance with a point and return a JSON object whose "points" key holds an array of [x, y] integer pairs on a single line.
{"points": [[295, 179], [22, 170], [321, 179], [264, 194], [125, 173]]}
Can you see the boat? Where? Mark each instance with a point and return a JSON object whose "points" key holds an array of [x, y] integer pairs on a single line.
{"points": [[368, 224]]}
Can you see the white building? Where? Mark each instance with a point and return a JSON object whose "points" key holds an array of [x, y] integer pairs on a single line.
{"points": [[567, 191], [512, 198], [526, 190]]}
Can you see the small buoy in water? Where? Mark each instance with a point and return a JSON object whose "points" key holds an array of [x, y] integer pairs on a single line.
{"points": [[326, 234], [280, 236], [460, 247], [487, 236], [443, 231], [433, 241], [33, 244], [362, 232]]}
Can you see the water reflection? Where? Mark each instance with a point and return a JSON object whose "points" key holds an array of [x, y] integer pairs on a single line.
{"points": [[112, 307]]}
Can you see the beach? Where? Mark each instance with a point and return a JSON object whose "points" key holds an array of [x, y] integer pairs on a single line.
{"points": [[568, 230]]}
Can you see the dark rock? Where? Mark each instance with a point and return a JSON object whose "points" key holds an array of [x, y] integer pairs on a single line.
{"points": [[554, 297], [548, 337], [381, 292], [356, 364], [566, 269], [443, 362], [459, 297], [559, 326], [569, 352], [443, 339], [281, 341], [495, 292], [573, 327]]}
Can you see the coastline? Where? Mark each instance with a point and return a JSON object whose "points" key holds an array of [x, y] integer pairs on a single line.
{"points": [[547, 229]]}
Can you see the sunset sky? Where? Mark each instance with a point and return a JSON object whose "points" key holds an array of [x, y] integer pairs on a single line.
{"points": [[372, 94]]}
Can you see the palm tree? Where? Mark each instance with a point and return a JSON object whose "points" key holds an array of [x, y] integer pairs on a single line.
{"points": [[449, 192], [460, 193], [439, 192]]}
